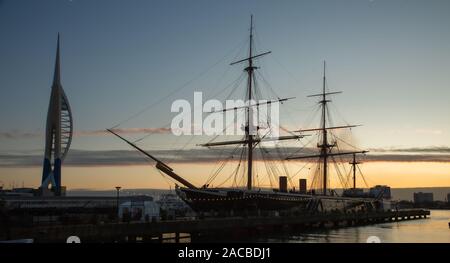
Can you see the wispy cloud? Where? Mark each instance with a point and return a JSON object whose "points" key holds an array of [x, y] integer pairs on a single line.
{"points": [[124, 131], [415, 131], [19, 135], [204, 155], [429, 131], [15, 134], [431, 149]]}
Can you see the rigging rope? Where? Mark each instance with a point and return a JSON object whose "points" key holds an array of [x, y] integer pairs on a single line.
{"points": [[179, 88], [233, 173]]}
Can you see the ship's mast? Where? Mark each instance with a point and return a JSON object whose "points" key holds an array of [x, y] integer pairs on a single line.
{"points": [[251, 138], [323, 145], [354, 164], [159, 164], [249, 128]]}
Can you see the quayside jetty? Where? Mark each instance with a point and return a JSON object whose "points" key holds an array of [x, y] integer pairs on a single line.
{"points": [[195, 230]]}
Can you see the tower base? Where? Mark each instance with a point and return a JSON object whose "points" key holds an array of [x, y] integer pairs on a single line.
{"points": [[42, 191]]}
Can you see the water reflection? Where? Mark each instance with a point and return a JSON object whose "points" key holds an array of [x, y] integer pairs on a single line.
{"points": [[432, 230]]}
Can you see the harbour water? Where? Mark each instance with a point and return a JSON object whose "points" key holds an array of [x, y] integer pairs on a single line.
{"points": [[432, 230]]}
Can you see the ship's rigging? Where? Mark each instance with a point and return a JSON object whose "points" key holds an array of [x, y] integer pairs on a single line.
{"points": [[252, 142], [252, 137], [324, 145]]}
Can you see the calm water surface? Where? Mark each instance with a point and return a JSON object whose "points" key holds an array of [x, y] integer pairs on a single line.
{"points": [[432, 230]]}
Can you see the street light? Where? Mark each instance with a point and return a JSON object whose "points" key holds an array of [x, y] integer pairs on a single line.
{"points": [[117, 204]]}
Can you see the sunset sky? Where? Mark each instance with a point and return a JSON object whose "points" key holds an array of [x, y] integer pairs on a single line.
{"points": [[391, 59]]}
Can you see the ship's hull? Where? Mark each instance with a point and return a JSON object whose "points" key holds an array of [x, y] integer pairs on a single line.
{"points": [[238, 201]]}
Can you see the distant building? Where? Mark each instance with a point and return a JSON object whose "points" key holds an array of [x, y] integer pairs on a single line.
{"points": [[67, 209], [171, 202], [448, 198], [380, 191], [172, 206], [17, 192], [354, 192], [30, 192], [420, 198], [139, 210]]}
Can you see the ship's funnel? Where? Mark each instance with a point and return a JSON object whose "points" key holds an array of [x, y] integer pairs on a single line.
{"points": [[283, 184], [302, 186]]}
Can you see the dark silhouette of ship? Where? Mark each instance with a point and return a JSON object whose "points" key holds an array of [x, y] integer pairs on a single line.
{"points": [[250, 200]]}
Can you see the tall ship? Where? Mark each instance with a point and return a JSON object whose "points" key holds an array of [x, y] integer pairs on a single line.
{"points": [[250, 200]]}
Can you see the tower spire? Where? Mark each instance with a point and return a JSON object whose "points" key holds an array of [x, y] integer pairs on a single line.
{"points": [[57, 74]]}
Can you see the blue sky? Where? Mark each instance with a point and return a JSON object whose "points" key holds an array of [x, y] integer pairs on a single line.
{"points": [[391, 59]]}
